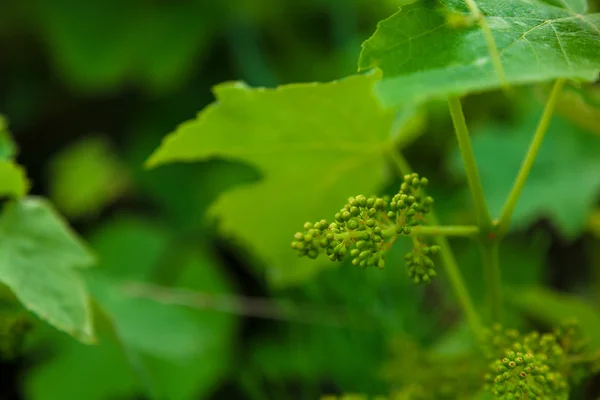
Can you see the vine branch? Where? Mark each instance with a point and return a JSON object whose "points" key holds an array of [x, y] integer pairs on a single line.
{"points": [[466, 150]]}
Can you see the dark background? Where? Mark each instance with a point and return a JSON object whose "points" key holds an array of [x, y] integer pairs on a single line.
{"points": [[128, 72]]}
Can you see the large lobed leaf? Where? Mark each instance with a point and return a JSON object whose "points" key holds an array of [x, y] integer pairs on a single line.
{"points": [[315, 145], [38, 259], [424, 55]]}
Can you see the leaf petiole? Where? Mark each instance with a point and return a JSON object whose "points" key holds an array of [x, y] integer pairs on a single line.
{"points": [[464, 143], [511, 202]]}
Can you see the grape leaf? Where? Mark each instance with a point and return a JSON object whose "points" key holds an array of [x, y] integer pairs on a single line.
{"points": [[423, 55], [567, 163], [315, 145], [581, 106], [86, 176], [97, 372], [175, 352], [13, 180], [39, 257], [578, 6]]}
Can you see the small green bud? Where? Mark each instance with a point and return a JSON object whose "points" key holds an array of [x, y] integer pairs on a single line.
{"points": [[308, 225], [354, 252], [352, 224]]}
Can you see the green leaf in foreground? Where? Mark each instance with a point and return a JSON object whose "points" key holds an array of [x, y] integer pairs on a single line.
{"points": [[315, 144], [39, 255], [423, 55]]}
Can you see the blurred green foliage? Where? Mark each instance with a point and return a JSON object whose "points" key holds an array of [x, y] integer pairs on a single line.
{"points": [[90, 91]]}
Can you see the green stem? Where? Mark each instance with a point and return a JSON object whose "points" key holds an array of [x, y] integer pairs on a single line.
{"points": [[538, 138], [464, 143], [448, 260], [450, 230], [489, 40], [493, 278]]}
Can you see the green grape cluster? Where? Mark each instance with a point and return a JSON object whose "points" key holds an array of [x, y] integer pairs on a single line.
{"points": [[537, 366], [365, 228], [421, 267], [524, 376]]}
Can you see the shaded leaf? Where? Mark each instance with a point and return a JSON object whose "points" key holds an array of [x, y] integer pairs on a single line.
{"points": [[85, 177], [111, 43], [8, 149], [581, 106], [97, 372], [423, 56], [578, 6], [161, 350], [315, 145], [553, 308], [39, 257]]}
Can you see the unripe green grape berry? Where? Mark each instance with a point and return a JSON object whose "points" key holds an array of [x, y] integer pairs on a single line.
{"points": [[352, 224]]}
